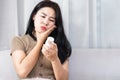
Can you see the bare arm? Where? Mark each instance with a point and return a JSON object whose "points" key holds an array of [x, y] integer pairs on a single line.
{"points": [[51, 53], [60, 70], [24, 64]]}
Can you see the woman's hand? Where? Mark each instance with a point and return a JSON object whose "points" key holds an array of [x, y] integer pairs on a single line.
{"points": [[41, 36], [51, 51]]}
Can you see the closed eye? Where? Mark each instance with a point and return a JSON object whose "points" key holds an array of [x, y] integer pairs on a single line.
{"points": [[52, 20], [43, 16]]}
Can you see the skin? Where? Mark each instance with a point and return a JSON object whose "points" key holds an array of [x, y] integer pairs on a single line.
{"points": [[44, 22]]}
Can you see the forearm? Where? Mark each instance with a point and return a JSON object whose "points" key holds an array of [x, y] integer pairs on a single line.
{"points": [[28, 62], [59, 71]]}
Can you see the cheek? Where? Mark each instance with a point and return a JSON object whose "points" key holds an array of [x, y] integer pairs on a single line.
{"points": [[37, 23]]}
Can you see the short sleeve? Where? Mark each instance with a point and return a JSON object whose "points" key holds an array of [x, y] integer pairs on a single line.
{"points": [[17, 44]]}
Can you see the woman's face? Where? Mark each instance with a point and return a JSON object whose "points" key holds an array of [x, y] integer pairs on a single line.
{"points": [[44, 19]]}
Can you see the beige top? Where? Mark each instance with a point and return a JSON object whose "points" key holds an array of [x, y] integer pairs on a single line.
{"points": [[43, 67]]}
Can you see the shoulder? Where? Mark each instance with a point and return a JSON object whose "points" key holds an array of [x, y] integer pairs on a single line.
{"points": [[23, 38], [20, 41]]}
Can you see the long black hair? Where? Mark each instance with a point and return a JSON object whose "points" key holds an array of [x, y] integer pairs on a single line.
{"points": [[64, 47]]}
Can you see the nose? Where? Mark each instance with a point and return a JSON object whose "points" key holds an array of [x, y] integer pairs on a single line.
{"points": [[45, 21]]}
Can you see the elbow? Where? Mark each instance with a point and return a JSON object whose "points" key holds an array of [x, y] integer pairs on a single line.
{"points": [[59, 79], [60, 76], [22, 74]]}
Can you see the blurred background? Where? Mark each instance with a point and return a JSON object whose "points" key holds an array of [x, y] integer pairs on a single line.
{"points": [[89, 24]]}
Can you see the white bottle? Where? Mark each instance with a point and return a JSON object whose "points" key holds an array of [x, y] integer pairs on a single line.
{"points": [[51, 39]]}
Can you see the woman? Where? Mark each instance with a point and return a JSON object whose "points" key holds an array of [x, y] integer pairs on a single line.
{"points": [[31, 57]]}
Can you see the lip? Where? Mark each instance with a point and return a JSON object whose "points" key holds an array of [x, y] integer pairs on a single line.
{"points": [[43, 28]]}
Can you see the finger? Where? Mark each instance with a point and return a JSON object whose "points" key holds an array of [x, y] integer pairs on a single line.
{"points": [[53, 48], [52, 45], [44, 50], [50, 29], [48, 50]]}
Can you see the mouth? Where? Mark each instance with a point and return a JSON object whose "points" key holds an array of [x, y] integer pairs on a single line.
{"points": [[43, 28]]}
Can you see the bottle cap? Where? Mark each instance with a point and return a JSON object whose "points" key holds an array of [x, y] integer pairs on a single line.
{"points": [[51, 39]]}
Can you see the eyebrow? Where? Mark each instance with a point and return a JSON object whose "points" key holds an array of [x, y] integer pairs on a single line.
{"points": [[46, 15]]}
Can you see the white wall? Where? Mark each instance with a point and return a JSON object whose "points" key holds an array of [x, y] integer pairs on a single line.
{"points": [[79, 23], [94, 23], [110, 24], [8, 22], [21, 21]]}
